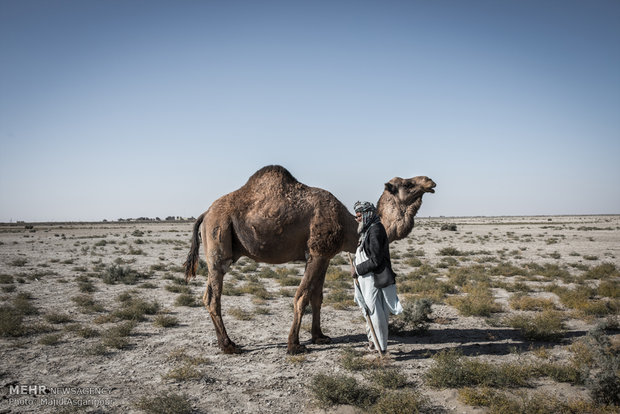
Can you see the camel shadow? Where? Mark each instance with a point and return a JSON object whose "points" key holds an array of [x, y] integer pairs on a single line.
{"points": [[470, 342]]}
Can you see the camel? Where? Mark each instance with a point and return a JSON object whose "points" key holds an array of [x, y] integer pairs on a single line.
{"points": [[275, 219]]}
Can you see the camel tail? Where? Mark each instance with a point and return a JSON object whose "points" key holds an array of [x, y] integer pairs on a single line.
{"points": [[191, 264]]}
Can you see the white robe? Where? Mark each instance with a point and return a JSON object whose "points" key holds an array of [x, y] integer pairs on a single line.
{"points": [[380, 303]]}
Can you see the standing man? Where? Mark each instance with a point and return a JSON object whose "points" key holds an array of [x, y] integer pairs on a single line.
{"points": [[373, 269]]}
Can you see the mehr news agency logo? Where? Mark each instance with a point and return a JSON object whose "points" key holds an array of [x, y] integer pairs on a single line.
{"points": [[21, 395]]}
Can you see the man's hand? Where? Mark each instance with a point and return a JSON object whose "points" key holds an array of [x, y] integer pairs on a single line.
{"points": [[353, 272]]}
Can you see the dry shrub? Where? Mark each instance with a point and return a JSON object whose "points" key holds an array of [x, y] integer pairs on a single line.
{"points": [[10, 322], [342, 389], [135, 308], [390, 378], [51, 339], [119, 274], [87, 304], [175, 288], [452, 370], [188, 369], [5, 279], [599, 361], [507, 269], [336, 278], [499, 402], [167, 403], [165, 321], [582, 299], [255, 287], [83, 331], [451, 251], [427, 286], [185, 372], [289, 281], [115, 337], [340, 299], [400, 402], [461, 276], [414, 318], [523, 302], [353, 360], [186, 299], [479, 301], [55, 317], [545, 326], [240, 314], [609, 288], [22, 304], [603, 271]]}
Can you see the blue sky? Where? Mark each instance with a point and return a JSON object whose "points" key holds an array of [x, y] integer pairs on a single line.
{"points": [[115, 109]]}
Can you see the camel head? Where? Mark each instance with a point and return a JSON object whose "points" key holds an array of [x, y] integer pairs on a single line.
{"points": [[408, 190], [400, 202]]}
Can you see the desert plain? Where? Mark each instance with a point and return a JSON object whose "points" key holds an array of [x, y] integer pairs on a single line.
{"points": [[523, 317]]}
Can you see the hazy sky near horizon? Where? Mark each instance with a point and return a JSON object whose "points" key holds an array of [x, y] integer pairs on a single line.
{"points": [[116, 109]]}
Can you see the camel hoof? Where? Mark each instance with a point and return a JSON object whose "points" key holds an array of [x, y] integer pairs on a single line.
{"points": [[322, 340], [231, 349], [297, 349]]}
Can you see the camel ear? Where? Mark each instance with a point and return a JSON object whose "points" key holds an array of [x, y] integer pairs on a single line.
{"points": [[391, 188]]}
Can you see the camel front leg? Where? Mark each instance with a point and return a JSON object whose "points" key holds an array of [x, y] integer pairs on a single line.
{"points": [[313, 276], [316, 301]]}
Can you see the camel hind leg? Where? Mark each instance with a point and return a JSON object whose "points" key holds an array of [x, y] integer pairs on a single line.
{"points": [[218, 252], [313, 279]]}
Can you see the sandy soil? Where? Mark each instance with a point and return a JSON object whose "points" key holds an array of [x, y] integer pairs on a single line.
{"points": [[47, 259]]}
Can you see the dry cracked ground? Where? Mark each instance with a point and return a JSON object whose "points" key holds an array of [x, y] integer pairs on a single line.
{"points": [[511, 314]]}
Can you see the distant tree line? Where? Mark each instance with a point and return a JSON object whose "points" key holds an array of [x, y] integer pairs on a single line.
{"points": [[169, 218]]}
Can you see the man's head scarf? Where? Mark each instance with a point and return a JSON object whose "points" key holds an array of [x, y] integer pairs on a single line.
{"points": [[369, 214]]}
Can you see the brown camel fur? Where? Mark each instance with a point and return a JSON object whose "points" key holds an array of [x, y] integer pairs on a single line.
{"points": [[275, 219]]}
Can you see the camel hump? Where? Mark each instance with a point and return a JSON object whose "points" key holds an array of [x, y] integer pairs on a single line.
{"points": [[273, 173]]}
